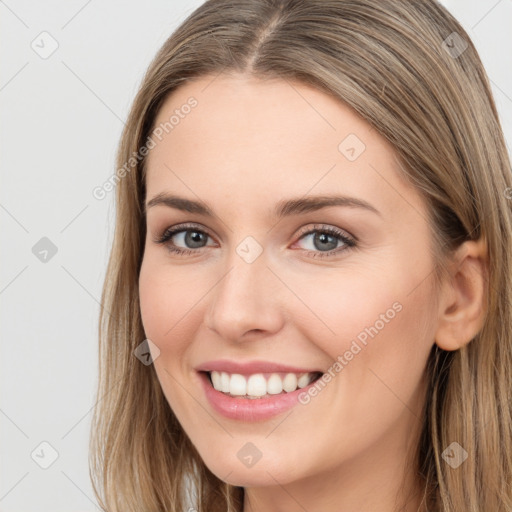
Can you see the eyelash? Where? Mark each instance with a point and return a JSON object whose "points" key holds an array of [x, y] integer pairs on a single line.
{"points": [[349, 242]]}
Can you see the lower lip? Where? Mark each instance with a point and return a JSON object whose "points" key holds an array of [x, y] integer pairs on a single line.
{"points": [[246, 409]]}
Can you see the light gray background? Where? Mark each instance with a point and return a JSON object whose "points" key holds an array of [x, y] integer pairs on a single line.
{"points": [[60, 123]]}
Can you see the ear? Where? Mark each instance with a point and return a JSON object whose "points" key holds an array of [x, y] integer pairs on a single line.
{"points": [[462, 301]]}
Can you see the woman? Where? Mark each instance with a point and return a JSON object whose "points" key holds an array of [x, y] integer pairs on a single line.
{"points": [[245, 365]]}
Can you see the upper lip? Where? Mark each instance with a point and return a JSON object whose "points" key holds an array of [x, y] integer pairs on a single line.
{"points": [[250, 367]]}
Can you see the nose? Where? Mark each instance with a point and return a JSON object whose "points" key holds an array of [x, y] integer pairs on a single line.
{"points": [[246, 301]]}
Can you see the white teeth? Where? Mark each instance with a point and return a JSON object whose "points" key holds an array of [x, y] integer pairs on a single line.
{"points": [[238, 385], [303, 381], [275, 384], [290, 382], [224, 383], [257, 385], [216, 380]]}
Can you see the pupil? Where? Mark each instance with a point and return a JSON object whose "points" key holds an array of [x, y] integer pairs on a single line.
{"points": [[323, 238], [192, 238]]}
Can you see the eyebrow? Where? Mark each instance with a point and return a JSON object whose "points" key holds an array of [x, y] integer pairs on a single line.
{"points": [[282, 209]]}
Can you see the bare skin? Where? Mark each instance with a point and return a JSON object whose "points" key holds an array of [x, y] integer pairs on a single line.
{"points": [[245, 147]]}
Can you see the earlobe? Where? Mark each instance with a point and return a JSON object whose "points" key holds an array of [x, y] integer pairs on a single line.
{"points": [[462, 305]]}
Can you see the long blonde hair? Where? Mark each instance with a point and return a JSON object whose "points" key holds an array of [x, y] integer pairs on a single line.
{"points": [[412, 72]]}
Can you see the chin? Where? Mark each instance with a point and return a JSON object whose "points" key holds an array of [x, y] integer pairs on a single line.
{"points": [[263, 473]]}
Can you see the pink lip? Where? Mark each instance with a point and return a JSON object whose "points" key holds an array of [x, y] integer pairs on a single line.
{"points": [[250, 367], [246, 409]]}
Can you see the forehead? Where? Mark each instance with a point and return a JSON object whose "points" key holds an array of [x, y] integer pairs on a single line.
{"points": [[272, 111], [252, 141]]}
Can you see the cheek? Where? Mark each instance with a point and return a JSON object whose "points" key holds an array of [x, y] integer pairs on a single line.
{"points": [[377, 324], [344, 305], [379, 348], [166, 305], [165, 299]]}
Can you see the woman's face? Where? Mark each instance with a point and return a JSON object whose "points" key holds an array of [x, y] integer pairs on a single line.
{"points": [[272, 273]]}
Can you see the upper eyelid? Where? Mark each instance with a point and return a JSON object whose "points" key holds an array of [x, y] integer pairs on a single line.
{"points": [[186, 227]]}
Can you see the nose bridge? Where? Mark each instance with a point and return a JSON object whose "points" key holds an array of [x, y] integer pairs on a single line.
{"points": [[246, 297]]}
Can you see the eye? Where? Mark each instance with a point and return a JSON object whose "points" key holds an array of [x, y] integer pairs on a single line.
{"points": [[190, 236], [324, 241]]}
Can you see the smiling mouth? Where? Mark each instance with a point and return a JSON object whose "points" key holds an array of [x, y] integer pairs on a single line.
{"points": [[259, 385]]}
